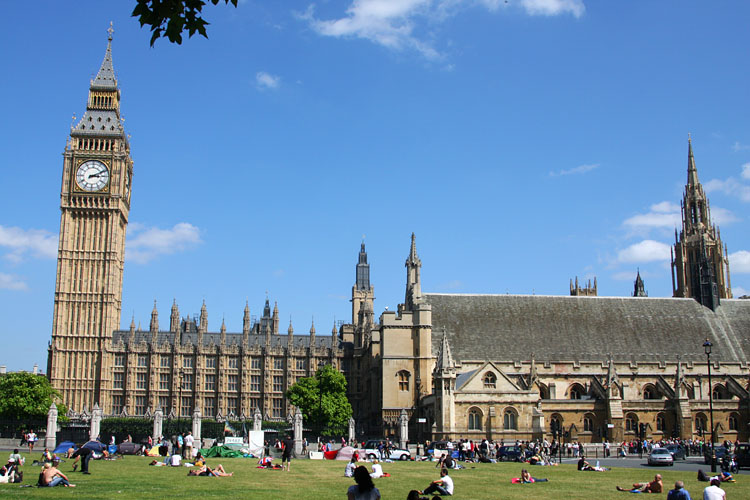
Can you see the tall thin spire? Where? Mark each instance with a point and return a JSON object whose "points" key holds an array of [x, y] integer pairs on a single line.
{"points": [[105, 78], [363, 270], [154, 325], [413, 282], [692, 178]]}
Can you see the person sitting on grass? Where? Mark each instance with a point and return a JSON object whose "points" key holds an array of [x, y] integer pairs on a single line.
{"points": [[655, 486], [16, 458], [51, 476], [443, 486], [351, 467], [679, 492], [377, 469], [364, 489]]}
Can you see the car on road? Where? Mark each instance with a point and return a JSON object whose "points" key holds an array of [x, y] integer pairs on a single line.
{"points": [[660, 456], [677, 451], [371, 451], [510, 454], [742, 455]]}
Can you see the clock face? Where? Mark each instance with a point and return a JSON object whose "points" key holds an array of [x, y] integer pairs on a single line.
{"points": [[92, 176]]}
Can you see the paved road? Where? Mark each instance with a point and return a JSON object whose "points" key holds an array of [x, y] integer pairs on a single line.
{"points": [[692, 464]]}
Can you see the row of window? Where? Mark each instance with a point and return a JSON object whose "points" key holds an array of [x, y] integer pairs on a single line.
{"points": [[209, 382], [210, 362], [186, 405]]}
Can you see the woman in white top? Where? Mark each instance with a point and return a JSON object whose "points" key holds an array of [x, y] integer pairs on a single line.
{"points": [[377, 470], [364, 489]]}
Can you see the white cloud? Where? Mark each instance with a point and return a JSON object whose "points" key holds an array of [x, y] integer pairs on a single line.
{"points": [[737, 146], [661, 215], [732, 186], [392, 23], [145, 244], [266, 81], [739, 262], [553, 7], [38, 242], [11, 282], [722, 216], [582, 169], [644, 251]]}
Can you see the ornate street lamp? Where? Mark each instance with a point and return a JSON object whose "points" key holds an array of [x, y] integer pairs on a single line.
{"points": [[707, 348]]}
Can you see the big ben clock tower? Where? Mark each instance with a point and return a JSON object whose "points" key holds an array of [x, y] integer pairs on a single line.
{"points": [[95, 202]]}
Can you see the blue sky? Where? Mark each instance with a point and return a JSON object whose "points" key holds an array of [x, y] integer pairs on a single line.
{"points": [[524, 142]]}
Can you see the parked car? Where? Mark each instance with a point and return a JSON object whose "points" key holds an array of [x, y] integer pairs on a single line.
{"points": [[440, 448], [371, 451], [660, 456], [677, 451], [511, 454], [720, 452], [742, 455]]}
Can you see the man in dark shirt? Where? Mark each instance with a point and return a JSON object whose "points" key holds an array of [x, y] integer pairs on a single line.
{"points": [[84, 455], [286, 455]]}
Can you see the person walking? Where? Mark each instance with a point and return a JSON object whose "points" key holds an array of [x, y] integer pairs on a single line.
{"points": [[286, 455]]}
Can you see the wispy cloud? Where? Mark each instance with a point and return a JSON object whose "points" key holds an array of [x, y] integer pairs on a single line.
{"points": [[660, 215], [738, 146], [731, 186], [582, 169], [22, 242], [12, 282], [147, 243], [739, 262], [393, 23], [745, 171], [267, 81], [644, 251], [738, 291]]}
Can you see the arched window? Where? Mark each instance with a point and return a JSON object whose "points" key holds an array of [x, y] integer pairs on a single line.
{"points": [[660, 422], [543, 391], [733, 422], [403, 380], [650, 392], [510, 420], [490, 380], [701, 426], [555, 422], [588, 423], [720, 392], [576, 391], [631, 423], [475, 419]]}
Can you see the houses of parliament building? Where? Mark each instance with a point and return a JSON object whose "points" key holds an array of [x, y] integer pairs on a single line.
{"points": [[460, 365]]}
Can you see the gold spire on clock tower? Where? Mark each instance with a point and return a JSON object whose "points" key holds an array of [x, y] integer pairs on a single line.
{"points": [[95, 203]]}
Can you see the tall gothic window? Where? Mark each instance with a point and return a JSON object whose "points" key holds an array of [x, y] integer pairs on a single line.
{"points": [[701, 424], [140, 405], [631, 423], [733, 422], [475, 419], [210, 362], [186, 406], [232, 383], [403, 380], [510, 420], [187, 382], [490, 380], [255, 383], [660, 422], [255, 363], [278, 383], [117, 404], [649, 392], [210, 383], [588, 423], [209, 405], [164, 381]]}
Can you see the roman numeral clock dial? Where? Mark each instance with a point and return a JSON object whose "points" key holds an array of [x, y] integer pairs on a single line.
{"points": [[92, 176]]}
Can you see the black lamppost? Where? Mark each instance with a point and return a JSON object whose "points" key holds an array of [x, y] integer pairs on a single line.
{"points": [[707, 348]]}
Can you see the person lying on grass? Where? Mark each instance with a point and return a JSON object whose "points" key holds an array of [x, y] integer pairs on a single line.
{"points": [[655, 486], [208, 471]]}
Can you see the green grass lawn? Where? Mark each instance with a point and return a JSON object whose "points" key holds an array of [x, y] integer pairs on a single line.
{"points": [[131, 477]]}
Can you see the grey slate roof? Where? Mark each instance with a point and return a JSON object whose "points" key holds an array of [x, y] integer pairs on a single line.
{"points": [[232, 339], [563, 328]]}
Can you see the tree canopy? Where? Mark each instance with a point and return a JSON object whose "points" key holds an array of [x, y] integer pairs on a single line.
{"points": [[27, 396], [170, 18], [322, 400]]}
